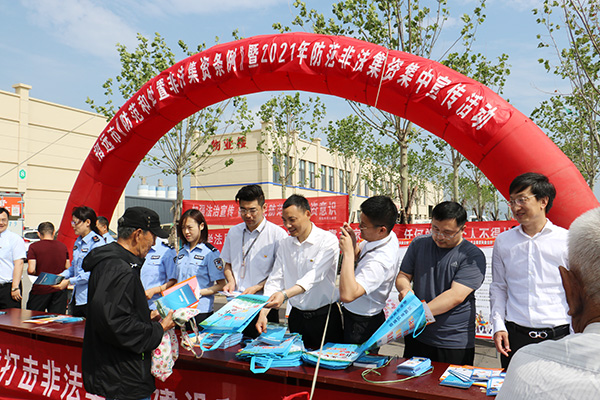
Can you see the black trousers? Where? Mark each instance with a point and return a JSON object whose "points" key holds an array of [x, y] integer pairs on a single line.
{"points": [[6, 300], [415, 348], [359, 328], [78, 311], [311, 325], [55, 302], [520, 336]]}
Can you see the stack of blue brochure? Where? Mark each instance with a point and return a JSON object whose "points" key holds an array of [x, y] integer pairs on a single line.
{"points": [[262, 356], [414, 366]]}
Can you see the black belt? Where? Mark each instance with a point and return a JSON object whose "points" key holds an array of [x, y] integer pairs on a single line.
{"points": [[541, 333], [315, 313]]}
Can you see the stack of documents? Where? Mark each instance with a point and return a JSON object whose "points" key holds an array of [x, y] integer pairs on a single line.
{"points": [[414, 366]]}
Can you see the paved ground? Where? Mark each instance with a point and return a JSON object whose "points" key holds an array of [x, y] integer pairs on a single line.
{"points": [[485, 351]]}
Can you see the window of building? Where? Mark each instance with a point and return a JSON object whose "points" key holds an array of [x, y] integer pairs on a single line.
{"points": [[323, 177], [366, 187], [302, 171], [276, 169], [342, 175], [311, 175], [288, 170], [358, 185], [331, 179]]}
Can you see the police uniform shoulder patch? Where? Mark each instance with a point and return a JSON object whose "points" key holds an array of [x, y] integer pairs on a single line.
{"points": [[211, 247], [74, 247], [96, 238], [219, 263]]}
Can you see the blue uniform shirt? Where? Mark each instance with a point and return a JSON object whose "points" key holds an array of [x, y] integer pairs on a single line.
{"points": [[77, 276], [204, 262], [158, 268], [108, 238]]}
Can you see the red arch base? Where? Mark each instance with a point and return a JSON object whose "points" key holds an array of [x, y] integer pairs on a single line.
{"points": [[491, 133]]}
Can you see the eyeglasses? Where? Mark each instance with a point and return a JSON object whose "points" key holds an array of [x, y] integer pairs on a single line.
{"points": [[251, 211], [521, 201], [364, 227], [435, 231], [75, 223]]}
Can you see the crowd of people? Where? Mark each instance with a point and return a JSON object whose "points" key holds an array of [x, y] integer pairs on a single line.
{"points": [[544, 282]]}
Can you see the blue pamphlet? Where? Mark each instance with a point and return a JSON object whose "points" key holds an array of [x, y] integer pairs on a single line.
{"points": [[180, 298]]}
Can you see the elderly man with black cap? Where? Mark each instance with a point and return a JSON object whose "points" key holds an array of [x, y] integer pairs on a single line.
{"points": [[119, 332]]}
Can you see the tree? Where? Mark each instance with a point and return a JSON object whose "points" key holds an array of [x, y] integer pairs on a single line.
{"points": [[351, 141], [571, 119], [286, 119], [477, 67], [186, 148], [405, 25]]}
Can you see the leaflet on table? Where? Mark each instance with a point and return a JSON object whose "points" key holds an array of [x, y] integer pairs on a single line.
{"points": [[494, 384], [236, 314], [45, 319], [46, 278], [414, 366], [274, 334], [192, 282], [182, 297], [370, 361]]}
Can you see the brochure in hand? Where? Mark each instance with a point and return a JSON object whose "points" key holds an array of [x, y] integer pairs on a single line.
{"points": [[182, 297], [235, 315], [408, 317], [46, 278]]}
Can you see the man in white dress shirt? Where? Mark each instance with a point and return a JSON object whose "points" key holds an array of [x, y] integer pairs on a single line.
{"points": [[12, 254], [250, 248], [304, 272], [568, 368], [527, 298], [365, 289]]}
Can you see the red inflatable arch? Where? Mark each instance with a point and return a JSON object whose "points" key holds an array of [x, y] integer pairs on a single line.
{"points": [[493, 135]]}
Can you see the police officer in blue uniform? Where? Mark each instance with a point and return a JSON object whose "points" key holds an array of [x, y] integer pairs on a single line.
{"points": [[159, 271], [200, 258], [84, 225]]}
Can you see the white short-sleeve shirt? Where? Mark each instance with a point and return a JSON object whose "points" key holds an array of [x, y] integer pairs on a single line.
{"points": [[311, 264], [12, 248], [376, 272], [252, 254]]}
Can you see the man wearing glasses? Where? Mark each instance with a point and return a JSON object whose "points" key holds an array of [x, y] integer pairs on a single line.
{"points": [[368, 268], [250, 247], [527, 297], [445, 270]]}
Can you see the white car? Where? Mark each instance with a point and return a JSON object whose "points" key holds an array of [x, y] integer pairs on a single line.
{"points": [[30, 236]]}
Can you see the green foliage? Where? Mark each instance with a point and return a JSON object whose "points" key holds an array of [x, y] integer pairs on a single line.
{"points": [[184, 149], [571, 119], [412, 26], [287, 118]]}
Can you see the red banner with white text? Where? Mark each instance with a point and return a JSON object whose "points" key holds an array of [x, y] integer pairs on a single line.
{"points": [[324, 210]]}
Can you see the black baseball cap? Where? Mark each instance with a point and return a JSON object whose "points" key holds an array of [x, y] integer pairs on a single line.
{"points": [[142, 218]]}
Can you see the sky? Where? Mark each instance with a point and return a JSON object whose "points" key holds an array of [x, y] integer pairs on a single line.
{"points": [[66, 49]]}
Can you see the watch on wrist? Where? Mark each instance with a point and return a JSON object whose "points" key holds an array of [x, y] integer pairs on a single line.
{"points": [[285, 296], [14, 289]]}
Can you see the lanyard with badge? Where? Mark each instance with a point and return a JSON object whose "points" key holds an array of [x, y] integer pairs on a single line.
{"points": [[245, 254], [362, 255]]}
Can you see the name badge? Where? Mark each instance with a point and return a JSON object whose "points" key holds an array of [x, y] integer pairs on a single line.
{"points": [[84, 249], [155, 257], [198, 257]]}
